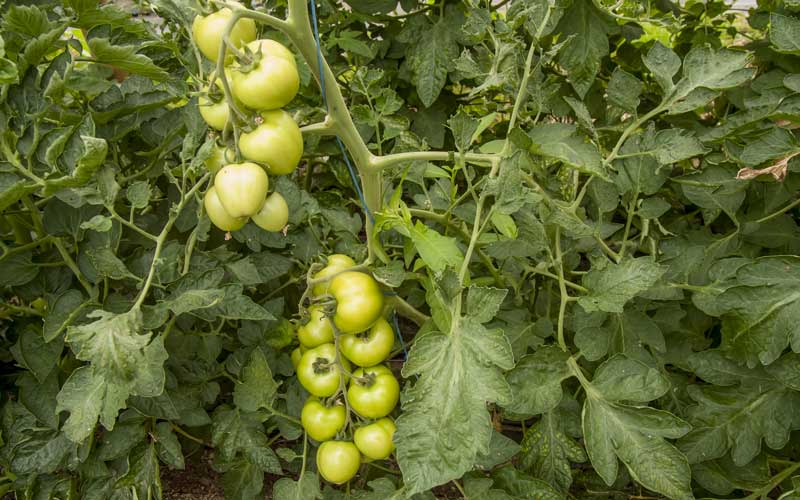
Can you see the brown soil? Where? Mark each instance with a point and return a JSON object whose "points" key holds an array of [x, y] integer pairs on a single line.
{"points": [[197, 482]]}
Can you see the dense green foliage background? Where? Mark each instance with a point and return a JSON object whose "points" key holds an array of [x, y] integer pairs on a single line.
{"points": [[600, 285]]}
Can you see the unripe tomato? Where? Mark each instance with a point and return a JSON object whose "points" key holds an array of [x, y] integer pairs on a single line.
{"points": [[297, 353], [276, 142], [214, 112], [271, 82], [220, 156], [207, 32], [322, 422], [317, 371], [274, 215], [374, 441], [317, 331], [359, 301], [242, 188], [40, 304], [217, 213], [373, 392], [338, 461], [336, 263], [368, 348]]}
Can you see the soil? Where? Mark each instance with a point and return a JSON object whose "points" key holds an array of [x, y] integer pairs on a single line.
{"points": [[197, 482]]}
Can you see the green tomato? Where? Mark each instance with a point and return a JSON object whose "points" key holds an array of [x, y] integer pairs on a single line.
{"points": [[297, 354], [373, 392], [220, 156], [336, 263], [322, 422], [217, 213], [207, 32], [242, 188], [274, 215], [276, 142], [374, 441], [317, 371], [317, 331], [371, 347], [214, 113], [359, 301], [271, 82], [39, 304], [338, 461]]}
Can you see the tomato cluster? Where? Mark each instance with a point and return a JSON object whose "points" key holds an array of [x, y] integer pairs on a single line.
{"points": [[331, 341], [263, 78]]}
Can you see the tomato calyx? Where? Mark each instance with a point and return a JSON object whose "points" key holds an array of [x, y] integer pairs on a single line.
{"points": [[366, 380], [323, 365]]}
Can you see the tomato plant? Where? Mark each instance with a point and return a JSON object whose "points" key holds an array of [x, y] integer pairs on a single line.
{"points": [[560, 236]]}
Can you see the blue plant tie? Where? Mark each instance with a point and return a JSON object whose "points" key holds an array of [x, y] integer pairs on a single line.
{"points": [[350, 168], [399, 337]]}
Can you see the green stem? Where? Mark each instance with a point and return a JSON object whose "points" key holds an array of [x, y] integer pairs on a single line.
{"points": [[628, 131], [628, 222], [74, 267], [406, 310], [381, 162], [564, 296], [185, 434], [130, 225], [776, 481], [162, 237], [779, 212], [27, 246]]}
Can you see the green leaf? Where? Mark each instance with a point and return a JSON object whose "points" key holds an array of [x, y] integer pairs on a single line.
{"points": [[430, 59], [143, 473], [738, 419], [61, 313], [522, 486], [536, 381], [722, 476], [124, 57], [437, 251], [673, 145], [484, 302], [439, 442], [243, 481], [624, 90], [559, 142], [167, 445], [586, 30], [305, 488], [616, 284], [123, 363], [257, 387], [109, 265], [707, 69], [664, 64], [634, 434], [759, 304], [549, 452], [784, 33]]}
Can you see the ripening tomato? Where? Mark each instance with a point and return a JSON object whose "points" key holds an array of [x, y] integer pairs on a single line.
{"points": [[271, 81], [373, 391], [318, 372], [374, 441], [207, 32], [336, 263], [217, 213], [322, 422], [371, 347], [359, 301], [220, 156], [338, 461], [276, 142], [274, 215], [317, 331], [242, 188]]}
